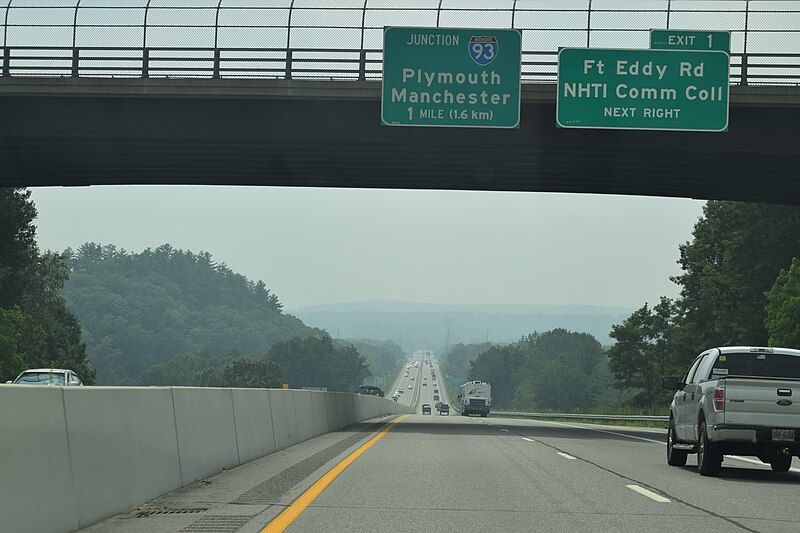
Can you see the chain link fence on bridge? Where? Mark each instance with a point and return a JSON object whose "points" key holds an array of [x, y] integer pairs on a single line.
{"points": [[342, 39]]}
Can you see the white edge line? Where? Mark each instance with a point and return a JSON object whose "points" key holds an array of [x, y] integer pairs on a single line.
{"points": [[650, 494], [565, 455], [503, 429], [736, 457], [755, 462], [604, 431]]}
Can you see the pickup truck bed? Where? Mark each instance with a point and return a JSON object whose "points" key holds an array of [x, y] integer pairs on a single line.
{"points": [[737, 400]]}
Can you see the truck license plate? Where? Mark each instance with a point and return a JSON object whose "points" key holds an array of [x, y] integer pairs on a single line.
{"points": [[783, 434]]}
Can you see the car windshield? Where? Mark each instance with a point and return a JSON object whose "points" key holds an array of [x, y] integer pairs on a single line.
{"points": [[757, 364], [41, 378]]}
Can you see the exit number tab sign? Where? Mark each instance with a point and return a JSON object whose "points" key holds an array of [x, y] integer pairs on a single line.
{"points": [[690, 40]]}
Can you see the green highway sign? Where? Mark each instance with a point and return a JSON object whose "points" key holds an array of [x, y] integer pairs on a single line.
{"points": [[682, 90], [451, 77], [690, 40]]}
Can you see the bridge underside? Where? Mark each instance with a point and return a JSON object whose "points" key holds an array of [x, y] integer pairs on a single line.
{"points": [[82, 139]]}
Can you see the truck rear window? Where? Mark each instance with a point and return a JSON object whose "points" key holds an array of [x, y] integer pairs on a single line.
{"points": [[756, 364]]}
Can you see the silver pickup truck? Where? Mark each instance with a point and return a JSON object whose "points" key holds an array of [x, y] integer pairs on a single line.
{"points": [[736, 400]]}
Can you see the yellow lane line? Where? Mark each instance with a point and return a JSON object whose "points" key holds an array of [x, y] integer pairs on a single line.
{"points": [[291, 513]]}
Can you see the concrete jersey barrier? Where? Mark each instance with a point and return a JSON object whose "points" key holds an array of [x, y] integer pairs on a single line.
{"points": [[70, 457]]}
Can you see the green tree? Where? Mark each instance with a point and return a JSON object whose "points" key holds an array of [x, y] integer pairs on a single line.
{"points": [[21, 340], [141, 309], [557, 369], [783, 308], [202, 369], [729, 267], [456, 362], [738, 250], [18, 250], [246, 373], [642, 354], [317, 362], [36, 327], [384, 358]]}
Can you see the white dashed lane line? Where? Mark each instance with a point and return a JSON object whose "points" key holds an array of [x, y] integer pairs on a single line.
{"points": [[734, 457], [527, 439], [650, 494], [565, 455]]}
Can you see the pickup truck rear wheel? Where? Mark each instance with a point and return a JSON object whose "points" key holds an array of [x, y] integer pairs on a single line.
{"points": [[674, 457], [709, 458], [781, 463]]}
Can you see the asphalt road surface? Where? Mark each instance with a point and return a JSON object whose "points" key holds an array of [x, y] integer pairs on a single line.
{"points": [[455, 473]]}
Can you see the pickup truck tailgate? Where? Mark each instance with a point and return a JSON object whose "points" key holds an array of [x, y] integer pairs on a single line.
{"points": [[762, 402]]}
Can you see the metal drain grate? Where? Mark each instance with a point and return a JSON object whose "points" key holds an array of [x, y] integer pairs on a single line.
{"points": [[142, 512], [219, 523]]}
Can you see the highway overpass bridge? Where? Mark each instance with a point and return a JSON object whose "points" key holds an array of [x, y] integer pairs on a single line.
{"points": [[83, 131], [287, 93]]}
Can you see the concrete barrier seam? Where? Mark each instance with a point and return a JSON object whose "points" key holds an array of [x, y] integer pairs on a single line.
{"points": [[177, 440]]}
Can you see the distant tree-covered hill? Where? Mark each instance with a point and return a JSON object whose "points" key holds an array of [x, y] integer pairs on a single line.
{"points": [[140, 309]]}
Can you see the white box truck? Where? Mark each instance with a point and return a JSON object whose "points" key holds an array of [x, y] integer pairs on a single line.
{"points": [[475, 398]]}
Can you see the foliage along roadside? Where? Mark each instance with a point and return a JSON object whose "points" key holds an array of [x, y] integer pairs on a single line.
{"points": [[37, 330], [740, 285], [141, 309]]}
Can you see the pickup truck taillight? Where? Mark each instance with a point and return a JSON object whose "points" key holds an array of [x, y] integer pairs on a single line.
{"points": [[719, 399]]}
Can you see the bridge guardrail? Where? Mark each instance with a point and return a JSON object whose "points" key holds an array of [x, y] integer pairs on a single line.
{"points": [[342, 40], [351, 64], [640, 418]]}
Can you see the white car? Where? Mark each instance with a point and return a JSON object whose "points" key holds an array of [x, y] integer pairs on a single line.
{"points": [[410, 387], [55, 377]]}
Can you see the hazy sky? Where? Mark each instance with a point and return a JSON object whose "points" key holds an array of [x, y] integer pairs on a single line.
{"points": [[316, 246]]}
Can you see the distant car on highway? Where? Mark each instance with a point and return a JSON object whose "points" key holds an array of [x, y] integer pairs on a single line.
{"points": [[424, 384], [436, 405], [444, 409], [56, 377], [400, 391], [426, 408], [436, 391], [410, 386], [738, 400], [435, 396]]}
